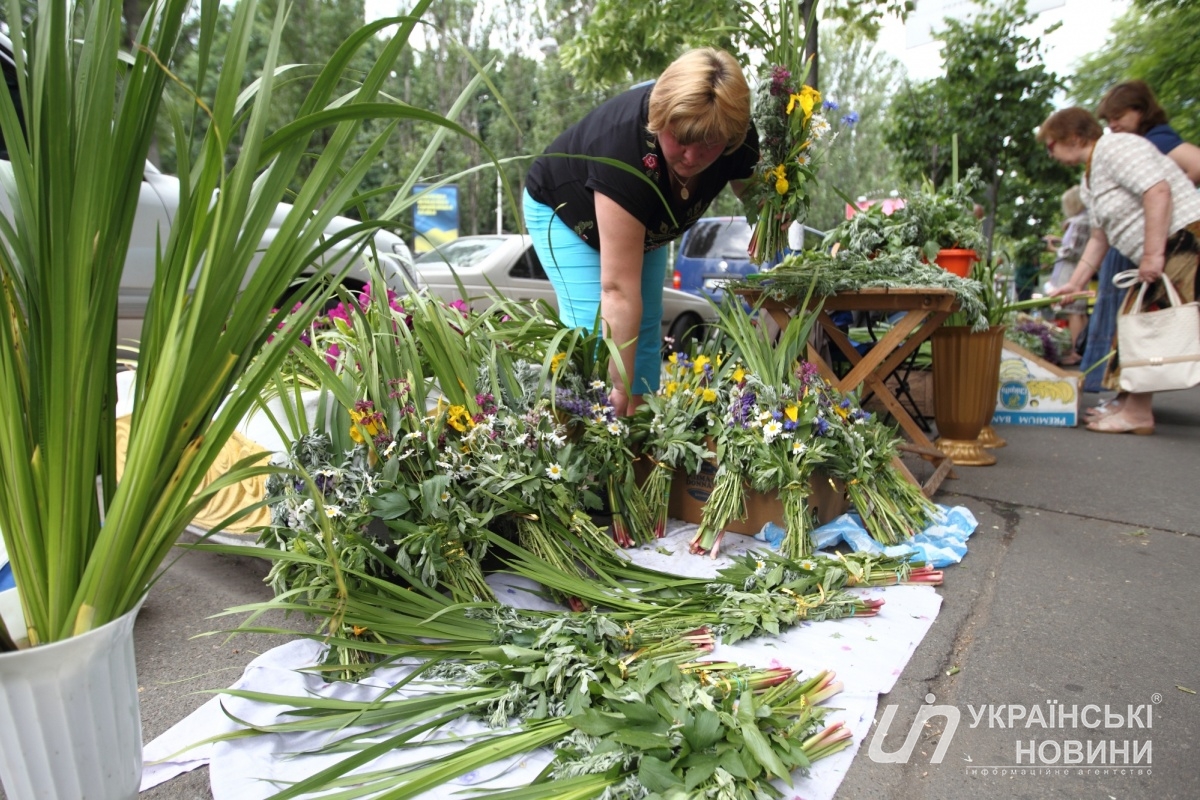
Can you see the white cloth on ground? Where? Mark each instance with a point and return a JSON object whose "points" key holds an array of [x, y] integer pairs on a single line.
{"points": [[868, 655]]}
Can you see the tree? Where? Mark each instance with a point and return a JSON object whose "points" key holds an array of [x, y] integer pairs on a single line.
{"points": [[622, 42], [1155, 40], [994, 94]]}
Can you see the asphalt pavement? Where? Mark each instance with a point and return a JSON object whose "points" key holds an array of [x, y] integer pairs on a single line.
{"points": [[1064, 662]]}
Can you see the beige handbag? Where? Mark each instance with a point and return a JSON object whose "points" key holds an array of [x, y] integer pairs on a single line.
{"points": [[1159, 350]]}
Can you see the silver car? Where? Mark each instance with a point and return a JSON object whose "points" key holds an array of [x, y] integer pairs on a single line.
{"points": [[508, 262], [157, 205]]}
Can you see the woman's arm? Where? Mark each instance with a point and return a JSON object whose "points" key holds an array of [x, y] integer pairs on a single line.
{"points": [[1187, 156], [1156, 206], [1089, 262], [621, 252]]}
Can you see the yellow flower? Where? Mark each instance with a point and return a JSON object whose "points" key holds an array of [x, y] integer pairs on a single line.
{"points": [[556, 360], [709, 396], [780, 175], [806, 99], [698, 366], [672, 387], [458, 418], [739, 375], [792, 412]]}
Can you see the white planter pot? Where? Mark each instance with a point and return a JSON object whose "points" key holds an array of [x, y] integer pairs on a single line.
{"points": [[70, 725]]}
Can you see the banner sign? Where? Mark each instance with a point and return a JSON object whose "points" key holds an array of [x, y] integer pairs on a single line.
{"points": [[435, 217]]}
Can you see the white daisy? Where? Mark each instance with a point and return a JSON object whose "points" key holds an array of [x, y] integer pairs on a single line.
{"points": [[771, 430], [554, 472], [615, 428], [333, 511], [798, 448]]}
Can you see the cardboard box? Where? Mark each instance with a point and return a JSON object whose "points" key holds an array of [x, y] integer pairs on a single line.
{"points": [[1034, 391], [690, 492]]}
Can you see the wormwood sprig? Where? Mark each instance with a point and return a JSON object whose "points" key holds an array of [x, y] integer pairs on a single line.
{"points": [[849, 271], [653, 712]]}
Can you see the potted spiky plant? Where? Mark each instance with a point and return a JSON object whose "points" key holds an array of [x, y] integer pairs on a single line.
{"points": [[84, 548]]}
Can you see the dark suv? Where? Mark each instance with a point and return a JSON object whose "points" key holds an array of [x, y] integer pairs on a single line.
{"points": [[714, 251]]}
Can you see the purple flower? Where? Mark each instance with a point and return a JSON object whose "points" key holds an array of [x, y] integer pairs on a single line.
{"points": [[743, 409], [568, 401], [779, 79], [830, 105], [850, 119]]}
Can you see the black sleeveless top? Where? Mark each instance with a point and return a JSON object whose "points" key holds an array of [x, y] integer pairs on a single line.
{"points": [[616, 129]]}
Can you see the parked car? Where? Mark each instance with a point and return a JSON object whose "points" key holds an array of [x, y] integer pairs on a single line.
{"points": [[508, 262], [714, 251], [157, 205]]}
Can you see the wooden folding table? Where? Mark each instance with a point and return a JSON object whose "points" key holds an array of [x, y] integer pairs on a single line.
{"points": [[924, 308]]}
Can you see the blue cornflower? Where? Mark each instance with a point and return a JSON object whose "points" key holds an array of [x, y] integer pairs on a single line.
{"points": [[820, 426], [850, 119], [830, 105]]}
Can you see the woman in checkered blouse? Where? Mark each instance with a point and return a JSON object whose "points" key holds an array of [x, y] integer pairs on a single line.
{"points": [[1140, 202]]}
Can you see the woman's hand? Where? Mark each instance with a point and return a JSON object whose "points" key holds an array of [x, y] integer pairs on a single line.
{"points": [[1151, 267], [619, 400]]}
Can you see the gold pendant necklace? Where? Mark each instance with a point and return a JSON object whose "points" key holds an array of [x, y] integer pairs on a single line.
{"points": [[684, 194]]}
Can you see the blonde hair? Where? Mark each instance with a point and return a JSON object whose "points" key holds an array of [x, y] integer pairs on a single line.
{"points": [[702, 97], [1072, 203]]}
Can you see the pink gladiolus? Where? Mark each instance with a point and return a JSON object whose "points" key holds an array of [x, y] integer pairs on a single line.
{"points": [[331, 355]]}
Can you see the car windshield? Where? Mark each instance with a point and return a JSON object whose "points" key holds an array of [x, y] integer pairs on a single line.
{"points": [[464, 252], [728, 239]]}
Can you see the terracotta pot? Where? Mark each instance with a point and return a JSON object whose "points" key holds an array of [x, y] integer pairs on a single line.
{"points": [[966, 377], [955, 260]]}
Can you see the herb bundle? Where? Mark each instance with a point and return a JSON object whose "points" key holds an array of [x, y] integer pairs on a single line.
{"points": [[928, 220], [825, 274]]}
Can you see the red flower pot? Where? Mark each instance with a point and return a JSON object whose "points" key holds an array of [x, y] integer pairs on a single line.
{"points": [[956, 261]]}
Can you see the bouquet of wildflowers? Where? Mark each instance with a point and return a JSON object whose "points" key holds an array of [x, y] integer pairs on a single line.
{"points": [[794, 446], [671, 427], [893, 508], [790, 128]]}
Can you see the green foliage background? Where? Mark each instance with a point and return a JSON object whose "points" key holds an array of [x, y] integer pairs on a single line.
{"points": [[1159, 42]]}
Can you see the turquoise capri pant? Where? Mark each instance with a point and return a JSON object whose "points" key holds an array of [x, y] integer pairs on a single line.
{"points": [[574, 270]]}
